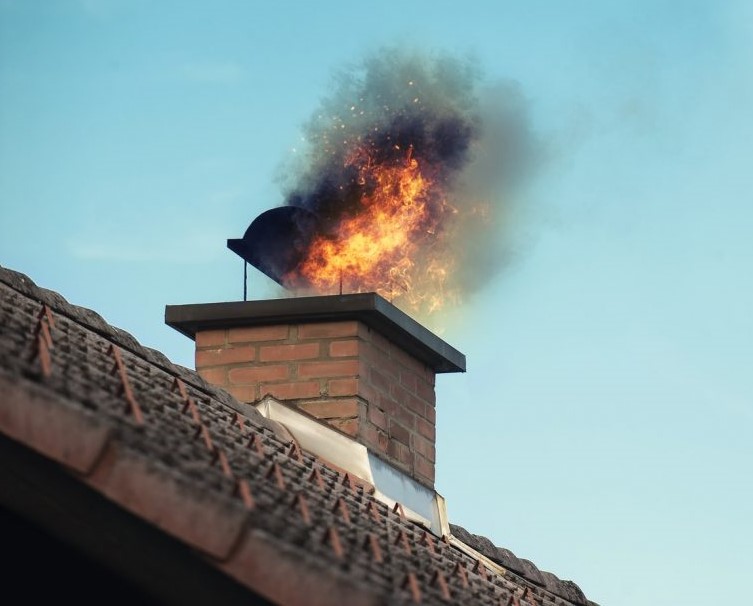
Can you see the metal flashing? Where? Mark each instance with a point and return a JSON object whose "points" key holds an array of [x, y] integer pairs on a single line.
{"points": [[391, 486]]}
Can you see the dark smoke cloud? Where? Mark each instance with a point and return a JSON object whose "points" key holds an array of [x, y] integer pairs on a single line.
{"points": [[475, 136]]}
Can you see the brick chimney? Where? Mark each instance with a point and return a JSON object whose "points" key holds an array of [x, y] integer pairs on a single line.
{"points": [[354, 361]]}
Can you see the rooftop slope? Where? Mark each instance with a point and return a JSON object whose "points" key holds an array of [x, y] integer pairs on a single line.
{"points": [[230, 486]]}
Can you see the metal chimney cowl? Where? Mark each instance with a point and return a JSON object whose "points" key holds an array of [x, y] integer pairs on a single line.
{"points": [[275, 242]]}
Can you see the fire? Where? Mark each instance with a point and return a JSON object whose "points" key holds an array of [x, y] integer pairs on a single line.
{"points": [[391, 242]]}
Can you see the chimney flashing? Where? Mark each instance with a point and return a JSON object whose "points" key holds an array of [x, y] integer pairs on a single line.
{"points": [[369, 308], [422, 505]]}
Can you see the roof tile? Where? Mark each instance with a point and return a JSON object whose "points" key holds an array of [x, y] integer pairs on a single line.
{"points": [[222, 479], [40, 420]]}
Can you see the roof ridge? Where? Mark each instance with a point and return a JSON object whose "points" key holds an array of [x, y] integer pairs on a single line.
{"points": [[522, 567]]}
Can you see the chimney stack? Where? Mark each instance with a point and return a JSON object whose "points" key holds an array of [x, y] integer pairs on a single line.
{"points": [[353, 361]]}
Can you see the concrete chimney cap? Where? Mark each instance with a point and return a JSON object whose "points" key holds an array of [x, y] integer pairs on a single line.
{"points": [[369, 308]]}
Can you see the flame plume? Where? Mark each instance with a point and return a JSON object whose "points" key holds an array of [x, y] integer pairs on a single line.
{"points": [[407, 177]]}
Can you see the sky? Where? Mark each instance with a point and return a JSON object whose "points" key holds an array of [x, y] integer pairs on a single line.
{"points": [[604, 426]]}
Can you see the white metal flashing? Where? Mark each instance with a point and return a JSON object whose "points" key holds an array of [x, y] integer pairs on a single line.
{"points": [[466, 549], [421, 505], [315, 437]]}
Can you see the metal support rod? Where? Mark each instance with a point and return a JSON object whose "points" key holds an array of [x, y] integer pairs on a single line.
{"points": [[245, 280]]}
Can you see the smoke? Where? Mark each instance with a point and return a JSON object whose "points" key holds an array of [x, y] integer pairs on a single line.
{"points": [[470, 137]]}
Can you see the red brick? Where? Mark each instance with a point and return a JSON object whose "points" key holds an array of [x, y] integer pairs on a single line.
{"points": [[423, 470], [378, 359], [337, 368], [408, 401], [379, 380], [256, 374], [298, 351], [406, 360], [430, 376], [367, 392], [380, 342], [431, 415], [340, 349], [244, 393], [215, 376], [210, 338], [405, 417], [327, 330], [332, 409], [228, 355], [408, 379], [386, 403], [255, 334], [424, 447], [373, 353], [377, 417], [373, 437], [390, 368], [349, 426], [425, 392], [400, 453], [291, 391], [399, 433], [426, 429], [416, 404], [343, 387], [352, 386]]}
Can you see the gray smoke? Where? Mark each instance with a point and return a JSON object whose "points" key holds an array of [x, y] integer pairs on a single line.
{"points": [[473, 137]]}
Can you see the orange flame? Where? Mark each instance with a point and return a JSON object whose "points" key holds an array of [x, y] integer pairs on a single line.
{"points": [[392, 243]]}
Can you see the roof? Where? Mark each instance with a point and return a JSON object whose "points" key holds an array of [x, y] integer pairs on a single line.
{"points": [[198, 491]]}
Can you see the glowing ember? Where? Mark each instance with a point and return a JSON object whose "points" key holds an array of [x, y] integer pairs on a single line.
{"points": [[398, 183], [379, 245]]}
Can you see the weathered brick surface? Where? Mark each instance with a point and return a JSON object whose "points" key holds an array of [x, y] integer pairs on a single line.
{"points": [[408, 379], [431, 415], [338, 368], [332, 409], [373, 437], [216, 376], [405, 416], [425, 391], [256, 334], [343, 348], [342, 372], [378, 417], [343, 387], [256, 374], [379, 380], [415, 404], [399, 433], [349, 426], [210, 338], [424, 447], [423, 469], [296, 351], [426, 429], [400, 453], [327, 330], [244, 393], [291, 391], [224, 356]]}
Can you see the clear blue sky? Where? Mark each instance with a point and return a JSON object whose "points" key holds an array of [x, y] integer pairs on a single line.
{"points": [[604, 429]]}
